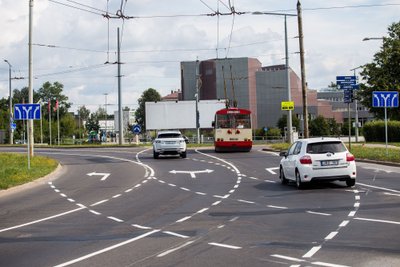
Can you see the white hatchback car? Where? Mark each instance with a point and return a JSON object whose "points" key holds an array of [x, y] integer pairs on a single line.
{"points": [[169, 143], [317, 159]]}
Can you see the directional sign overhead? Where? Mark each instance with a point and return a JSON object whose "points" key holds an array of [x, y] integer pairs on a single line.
{"points": [[388, 99], [27, 112], [346, 78]]}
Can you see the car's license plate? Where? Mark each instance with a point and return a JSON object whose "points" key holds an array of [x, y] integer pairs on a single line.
{"points": [[329, 163]]}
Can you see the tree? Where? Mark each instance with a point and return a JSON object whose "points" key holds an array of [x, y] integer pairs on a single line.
{"points": [[319, 127], [83, 113], [282, 123], [333, 127], [53, 92], [383, 74], [150, 95], [92, 124]]}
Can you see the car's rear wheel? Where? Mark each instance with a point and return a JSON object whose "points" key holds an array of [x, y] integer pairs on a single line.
{"points": [[299, 183], [282, 176], [351, 182], [155, 155]]}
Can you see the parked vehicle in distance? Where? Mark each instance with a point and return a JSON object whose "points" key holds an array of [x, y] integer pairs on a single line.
{"points": [[317, 159], [169, 143]]}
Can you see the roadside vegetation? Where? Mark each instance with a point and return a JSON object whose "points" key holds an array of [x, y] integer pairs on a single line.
{"points": [[14, 169]]}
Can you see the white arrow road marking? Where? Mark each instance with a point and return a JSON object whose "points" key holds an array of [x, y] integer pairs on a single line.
{"points": [[192, 173], [105, 175], [271, 170]]}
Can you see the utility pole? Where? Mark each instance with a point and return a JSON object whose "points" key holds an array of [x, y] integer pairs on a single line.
{"points": [[303, 71], [120, 115], [30, 122], [197, 103], [106, 94], [289, 118]]}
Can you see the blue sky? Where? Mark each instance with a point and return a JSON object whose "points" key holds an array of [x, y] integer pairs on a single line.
{"points": [[71, 44]]}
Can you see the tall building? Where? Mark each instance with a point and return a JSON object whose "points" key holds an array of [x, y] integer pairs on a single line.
{"points": [[260, 89]]}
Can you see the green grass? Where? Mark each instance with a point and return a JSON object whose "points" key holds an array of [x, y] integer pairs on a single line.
{"points": [[14, 169]]}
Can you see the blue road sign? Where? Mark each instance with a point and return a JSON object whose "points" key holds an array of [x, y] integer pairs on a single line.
{"points": [[346, 78], [348, 86], [136, 129], [13, 126], [348, 96], [388, 99], [27, 112]]}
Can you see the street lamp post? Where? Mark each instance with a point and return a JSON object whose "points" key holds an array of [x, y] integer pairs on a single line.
{"points": [[288, 87], [10, 104], [355, 107]]}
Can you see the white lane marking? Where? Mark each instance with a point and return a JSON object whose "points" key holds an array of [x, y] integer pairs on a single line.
{"points": [[185, 189], [95, 212], [221, 226], [174, 249], [116, 196], [357, 197], [192, 173], [246, 201], [184, 219], [40, 220], [63, 195], [175, 234], [357, 204], [172, 185], [128, 190], [100, 202], [380, 188], [215, 203], [236, 186], [81, 206], [71, 200], [141, 227], [231, 191], [318, 213], [138, 185], [269, 181], [253, 178], [201, 193], [105, 175], [202, 210], [224, 161], [107, 249], [344, 223], [287, 258], [224, 245], [277, 207], [320, 263], [234, 219], [161, 181], [331, 235], [352, 213], [271, 170], [115, 219], [312, 251], [376, 220]]}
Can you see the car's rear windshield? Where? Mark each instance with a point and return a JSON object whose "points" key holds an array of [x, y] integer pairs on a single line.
{"points": [[325, 147], [169, 135]]}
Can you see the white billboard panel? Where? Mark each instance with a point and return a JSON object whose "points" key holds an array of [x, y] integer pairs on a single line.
{"points": [[180, 114]]}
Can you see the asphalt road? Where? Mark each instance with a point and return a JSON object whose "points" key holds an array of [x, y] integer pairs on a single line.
{"points": [[121, 207]]}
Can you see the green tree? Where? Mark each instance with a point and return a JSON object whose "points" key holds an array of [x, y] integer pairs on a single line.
{"points": [[319, 127], [333, 127], [53, 93], [282, 123], [92, 124], [150, 95], [383, 73]]}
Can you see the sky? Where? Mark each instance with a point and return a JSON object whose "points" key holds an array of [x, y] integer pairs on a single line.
{"points": [[75, 43]]}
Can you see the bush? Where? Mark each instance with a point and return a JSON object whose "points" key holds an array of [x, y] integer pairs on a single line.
{"points": [[374, 131]]}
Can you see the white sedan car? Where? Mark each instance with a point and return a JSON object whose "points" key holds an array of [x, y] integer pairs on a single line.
{"points": [[317, 159], [169, 143]]}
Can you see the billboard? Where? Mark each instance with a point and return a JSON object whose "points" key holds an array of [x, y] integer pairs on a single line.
{"points": [[181, 114]]}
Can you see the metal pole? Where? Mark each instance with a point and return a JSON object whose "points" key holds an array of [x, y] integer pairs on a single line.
{"points": [[303, 70], [41, 123], [288, 87], [197, 102], [58, 126], [386, 131], [106, 94], [120, 115], [349, 118], [30, 124], [49, 105]]}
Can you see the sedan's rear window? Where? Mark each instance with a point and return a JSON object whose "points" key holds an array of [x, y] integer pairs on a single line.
{"points": [[169, 135], [325, 147]]}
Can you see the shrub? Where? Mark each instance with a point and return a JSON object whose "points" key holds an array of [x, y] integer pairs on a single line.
{"points": [[374, 131]]}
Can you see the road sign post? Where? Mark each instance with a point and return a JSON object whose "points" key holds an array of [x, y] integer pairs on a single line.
{"points": [[385, 99], [27, 112]]}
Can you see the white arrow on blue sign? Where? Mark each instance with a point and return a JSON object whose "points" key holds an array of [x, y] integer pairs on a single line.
{"points": [[27, 112], [388, 99], [136, 129]]}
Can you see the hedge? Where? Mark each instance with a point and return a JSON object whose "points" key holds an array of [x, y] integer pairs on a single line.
{"points": [[374, 131]]}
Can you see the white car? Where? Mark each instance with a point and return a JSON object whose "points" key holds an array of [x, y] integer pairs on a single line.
{"points": [[169, 143], [317, 159]]}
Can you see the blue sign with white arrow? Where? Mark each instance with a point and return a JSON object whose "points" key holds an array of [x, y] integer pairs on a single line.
{"points": [[136, 129], [27, 112], [385, 99]]}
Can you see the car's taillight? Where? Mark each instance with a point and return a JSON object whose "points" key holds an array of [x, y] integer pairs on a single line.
{"points": [[305, 160], [349, 157]]}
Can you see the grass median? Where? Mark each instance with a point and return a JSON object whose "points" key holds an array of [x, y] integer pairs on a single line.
{"points": [[14, 169]]}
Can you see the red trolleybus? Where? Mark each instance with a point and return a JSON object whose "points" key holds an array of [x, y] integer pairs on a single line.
{"points": [[232, 130]]}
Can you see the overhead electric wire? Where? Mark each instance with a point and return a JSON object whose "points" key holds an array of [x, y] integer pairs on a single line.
{"points": [[75, 7]]}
